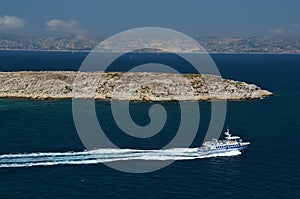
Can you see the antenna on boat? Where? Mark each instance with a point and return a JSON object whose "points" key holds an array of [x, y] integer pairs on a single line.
{"points": [[227, 132]]}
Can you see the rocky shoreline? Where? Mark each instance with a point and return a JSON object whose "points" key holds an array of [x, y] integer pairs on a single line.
{"points": [[139, 86]]}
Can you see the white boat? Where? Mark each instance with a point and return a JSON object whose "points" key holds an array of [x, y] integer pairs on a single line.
{"points": [[230, 143]]}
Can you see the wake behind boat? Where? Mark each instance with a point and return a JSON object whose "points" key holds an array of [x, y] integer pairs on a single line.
{"points": [[231, 143], [231, 146]]}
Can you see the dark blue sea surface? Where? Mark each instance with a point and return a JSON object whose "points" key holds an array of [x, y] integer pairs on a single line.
{"points": [[268, 169]]}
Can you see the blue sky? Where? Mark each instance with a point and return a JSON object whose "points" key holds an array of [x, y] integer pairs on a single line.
{"points": [[196, 18]]}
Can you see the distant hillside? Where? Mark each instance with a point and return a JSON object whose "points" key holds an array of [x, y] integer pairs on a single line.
{"points": [[278, 44]]}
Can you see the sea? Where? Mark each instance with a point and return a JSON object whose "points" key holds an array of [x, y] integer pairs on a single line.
{"points": [[41, 153]]}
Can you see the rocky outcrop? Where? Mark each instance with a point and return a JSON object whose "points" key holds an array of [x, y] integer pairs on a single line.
{"points": [[140, 86]]}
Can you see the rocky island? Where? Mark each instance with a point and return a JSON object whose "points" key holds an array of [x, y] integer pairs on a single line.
{"points": [[138, 86]]}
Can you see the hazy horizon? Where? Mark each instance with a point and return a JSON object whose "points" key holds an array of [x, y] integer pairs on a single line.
{"points": [[194, 18]]}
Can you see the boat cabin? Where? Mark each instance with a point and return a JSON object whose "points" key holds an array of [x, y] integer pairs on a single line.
{"points": [[233, 138]]}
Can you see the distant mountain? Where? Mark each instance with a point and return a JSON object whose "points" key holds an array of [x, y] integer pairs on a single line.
{"points": [[262, 44]]}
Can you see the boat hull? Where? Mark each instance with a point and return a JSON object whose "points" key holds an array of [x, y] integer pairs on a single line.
{"points": [[223, 150]]}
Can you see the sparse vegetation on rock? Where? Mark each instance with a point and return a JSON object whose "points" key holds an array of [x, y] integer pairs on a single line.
{"points": [[141, 86]]}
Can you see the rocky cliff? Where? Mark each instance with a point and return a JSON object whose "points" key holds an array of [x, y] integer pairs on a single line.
{"points": [[140, 86]]}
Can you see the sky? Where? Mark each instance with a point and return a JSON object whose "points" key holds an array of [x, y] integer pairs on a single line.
{"points": [[197, 18]]}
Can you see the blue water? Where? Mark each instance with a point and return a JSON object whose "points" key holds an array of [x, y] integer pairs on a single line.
{"points": [[268, 169]]}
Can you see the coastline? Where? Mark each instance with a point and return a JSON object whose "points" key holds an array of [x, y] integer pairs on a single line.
{"points": [[162, 52]]}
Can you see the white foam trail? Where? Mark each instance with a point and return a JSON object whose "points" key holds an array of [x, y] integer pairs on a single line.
{"points": [[101, 156]]}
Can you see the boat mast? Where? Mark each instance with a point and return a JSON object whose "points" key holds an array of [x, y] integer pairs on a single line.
{"points": [[227, 133]]}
